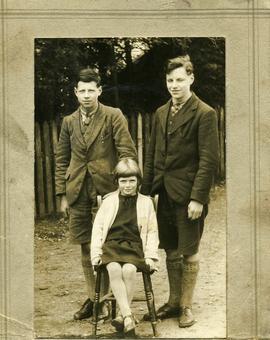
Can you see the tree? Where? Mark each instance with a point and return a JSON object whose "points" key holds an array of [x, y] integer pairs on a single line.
{"points": [[132, 71]]}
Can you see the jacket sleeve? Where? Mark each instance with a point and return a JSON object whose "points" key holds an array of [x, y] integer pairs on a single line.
{"points": [[122, 138], [152, 240], [208, 147], [148, 173], [62, 159]]}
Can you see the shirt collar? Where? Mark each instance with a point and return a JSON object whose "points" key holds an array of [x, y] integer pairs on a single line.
{"points": [[178, 106], [86, 117]]}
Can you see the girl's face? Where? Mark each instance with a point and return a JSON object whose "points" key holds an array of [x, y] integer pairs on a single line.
{"points": [[128, 185]]}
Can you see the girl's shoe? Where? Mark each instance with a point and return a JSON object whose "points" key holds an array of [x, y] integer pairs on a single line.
{"points": [[118, 323], [129, 326]]}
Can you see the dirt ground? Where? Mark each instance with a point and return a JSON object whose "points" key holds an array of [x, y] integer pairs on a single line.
{"points": [[60, 288]]}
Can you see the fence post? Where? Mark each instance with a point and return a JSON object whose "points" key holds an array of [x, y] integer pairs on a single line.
{"points": [[39, 180], [222, 142], [54, 143], [147, 132], [133, 127], [140, 141], [48, 167]]}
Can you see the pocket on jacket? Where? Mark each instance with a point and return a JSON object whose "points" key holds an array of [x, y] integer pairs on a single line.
{"points": [[104, 137]]}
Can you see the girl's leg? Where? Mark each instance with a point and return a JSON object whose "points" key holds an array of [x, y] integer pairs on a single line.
{"points": [[129, 277], [118, 287]]}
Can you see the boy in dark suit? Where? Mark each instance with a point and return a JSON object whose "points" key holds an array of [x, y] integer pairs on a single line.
{"points": [[92, 140], [180, 164]]}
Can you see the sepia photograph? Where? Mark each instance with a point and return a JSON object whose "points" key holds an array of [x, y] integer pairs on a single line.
{"points": [[122, 123], [134, 169]]}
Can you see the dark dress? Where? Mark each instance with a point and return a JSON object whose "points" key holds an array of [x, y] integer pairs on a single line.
{"points": [[123, 243]]}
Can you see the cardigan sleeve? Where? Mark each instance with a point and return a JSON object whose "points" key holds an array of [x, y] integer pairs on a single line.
{"points": [[97, 232], [102, 223], [152, 240]]}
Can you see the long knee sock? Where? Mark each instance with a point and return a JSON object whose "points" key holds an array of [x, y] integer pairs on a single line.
{"points": [[120, 293], [89, 277], [174, 270], [189, 278], [130, 294], [130, 284]]}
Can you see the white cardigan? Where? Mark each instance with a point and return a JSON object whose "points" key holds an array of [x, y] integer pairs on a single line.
{"points": [[147, 224]]}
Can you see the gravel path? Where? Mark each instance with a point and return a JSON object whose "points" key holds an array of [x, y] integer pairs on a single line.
{"points": [[59, 287]]}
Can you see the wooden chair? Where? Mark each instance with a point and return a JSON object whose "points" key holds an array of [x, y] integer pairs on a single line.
{"points": [[149, 298]]}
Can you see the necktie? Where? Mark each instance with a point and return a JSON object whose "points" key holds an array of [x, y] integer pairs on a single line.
{"points": [[175, 108], [86, 120]]}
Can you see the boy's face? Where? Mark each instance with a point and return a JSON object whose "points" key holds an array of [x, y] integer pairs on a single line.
{"points": [[128, 185], [179, 82], [87, 94]]}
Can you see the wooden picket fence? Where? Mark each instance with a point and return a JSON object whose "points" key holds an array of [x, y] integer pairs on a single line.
{"points": [[46, 138]]}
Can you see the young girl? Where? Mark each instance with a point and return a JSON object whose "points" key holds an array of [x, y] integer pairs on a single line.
{"points": [[125, 238]]}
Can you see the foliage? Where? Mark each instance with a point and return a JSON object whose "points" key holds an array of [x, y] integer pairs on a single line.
{"points": [[131, 70]]}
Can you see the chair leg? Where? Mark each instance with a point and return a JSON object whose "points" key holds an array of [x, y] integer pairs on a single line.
{"points": [[150, 301], [113, 303], [96, 302]]}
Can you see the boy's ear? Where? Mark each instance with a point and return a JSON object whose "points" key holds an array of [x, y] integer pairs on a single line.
{"points": [[192, 78]]}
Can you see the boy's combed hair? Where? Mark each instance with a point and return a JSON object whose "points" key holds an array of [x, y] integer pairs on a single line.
{"points": [[87, 75], [127, 167], [181, 61]]}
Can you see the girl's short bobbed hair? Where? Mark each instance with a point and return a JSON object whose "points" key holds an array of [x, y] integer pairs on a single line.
{"points": [[127, 167]]}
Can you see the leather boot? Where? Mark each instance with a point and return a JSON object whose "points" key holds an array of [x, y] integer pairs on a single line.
{"points": [[85, 311], [189, 278]]}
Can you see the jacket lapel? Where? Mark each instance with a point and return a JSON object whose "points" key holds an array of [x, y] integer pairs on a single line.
{"points": [[94, 128], [163, 115], [77, 127], [187, 112]]}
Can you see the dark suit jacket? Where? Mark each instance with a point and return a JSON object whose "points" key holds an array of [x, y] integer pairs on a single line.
{"points": [[105, 142], [188, 164]]}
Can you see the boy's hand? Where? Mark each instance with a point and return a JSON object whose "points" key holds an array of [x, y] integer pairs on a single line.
{"points": [[194, 210], [150, 263], [64, 207]]}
